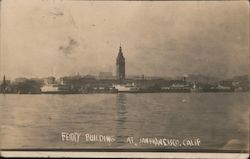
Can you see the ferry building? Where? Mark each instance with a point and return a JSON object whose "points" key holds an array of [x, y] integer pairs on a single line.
{"points": [[120, 65]]}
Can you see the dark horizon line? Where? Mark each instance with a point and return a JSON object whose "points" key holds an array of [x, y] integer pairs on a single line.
{"points": [[127, 76]]}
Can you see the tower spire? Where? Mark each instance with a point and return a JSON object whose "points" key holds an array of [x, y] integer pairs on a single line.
{"points": [[120, 49], [4, 84]]}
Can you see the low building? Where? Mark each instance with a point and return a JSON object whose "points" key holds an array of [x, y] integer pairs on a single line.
{"points": [[49, 80], [106, 75], [20, 80]]}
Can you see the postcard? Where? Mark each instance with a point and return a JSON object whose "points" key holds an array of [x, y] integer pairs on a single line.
{"points": [[129, 79]]}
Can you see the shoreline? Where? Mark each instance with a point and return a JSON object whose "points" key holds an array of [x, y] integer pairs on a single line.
{"points": [[126, 93]]}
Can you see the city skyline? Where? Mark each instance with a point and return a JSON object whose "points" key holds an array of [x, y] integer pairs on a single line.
{"points": [[59, 38]]}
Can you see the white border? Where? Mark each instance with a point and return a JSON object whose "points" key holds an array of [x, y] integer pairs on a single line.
{"points": [[123, 154]]}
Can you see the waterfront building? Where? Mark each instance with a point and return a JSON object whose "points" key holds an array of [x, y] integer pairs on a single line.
{"points": [[49, 80], [120, 65], [3, 85], [20, 80], [105, 75]]}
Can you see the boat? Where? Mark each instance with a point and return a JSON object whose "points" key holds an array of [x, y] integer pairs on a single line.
{"points": [[99, 90], [126, 88], [175, 88], [55, 89], [196, 89]]}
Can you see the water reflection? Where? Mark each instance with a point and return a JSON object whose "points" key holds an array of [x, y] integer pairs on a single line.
{"points": [[121, 101], [205, 116]]}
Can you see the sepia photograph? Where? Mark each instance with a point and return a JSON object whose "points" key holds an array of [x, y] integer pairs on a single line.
{"points": [[129, 79]]}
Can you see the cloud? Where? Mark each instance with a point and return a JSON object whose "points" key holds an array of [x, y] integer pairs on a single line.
{"points": [[69, 47], [56, 13]]}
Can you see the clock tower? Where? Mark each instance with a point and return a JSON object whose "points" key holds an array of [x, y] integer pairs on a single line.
{"points": [[120, 65]]}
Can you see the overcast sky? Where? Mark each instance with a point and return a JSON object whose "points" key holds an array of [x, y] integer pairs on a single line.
{"points": [[40, 38]]}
